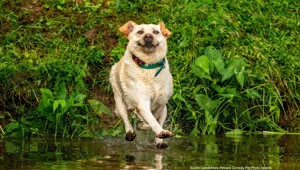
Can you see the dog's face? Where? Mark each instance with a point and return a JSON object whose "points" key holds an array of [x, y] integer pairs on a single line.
{"points": [[147, 38]]}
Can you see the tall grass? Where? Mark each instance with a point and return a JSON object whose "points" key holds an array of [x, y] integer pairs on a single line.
{"points": [[235, 64]]}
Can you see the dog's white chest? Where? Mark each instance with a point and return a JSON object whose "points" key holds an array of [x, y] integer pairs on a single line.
{"points": [[160, 91], [159, 88], [143, 82]]}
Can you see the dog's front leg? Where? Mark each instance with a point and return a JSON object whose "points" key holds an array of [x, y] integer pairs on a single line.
{"points": [[143, 109], [122, 111], [161, 115]]}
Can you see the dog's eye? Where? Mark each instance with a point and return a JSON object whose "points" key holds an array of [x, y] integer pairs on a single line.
{"points": [[140, 32], [155, 32]]}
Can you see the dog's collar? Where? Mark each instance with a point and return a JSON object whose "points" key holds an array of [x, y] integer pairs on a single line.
{"points": [[142, 64]]}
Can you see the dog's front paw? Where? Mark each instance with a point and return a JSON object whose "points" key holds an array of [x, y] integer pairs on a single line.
{"points": [[164, 134], [162, 145], [130, 136]]}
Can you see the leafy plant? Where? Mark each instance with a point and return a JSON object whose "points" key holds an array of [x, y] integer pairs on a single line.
{"points": [[54, 108], [225, 99], [57, 113]]}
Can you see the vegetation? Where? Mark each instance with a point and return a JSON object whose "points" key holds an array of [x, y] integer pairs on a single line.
{"points": [[235, 64]]}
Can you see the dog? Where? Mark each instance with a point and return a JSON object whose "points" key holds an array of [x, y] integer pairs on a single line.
{"points": [[141, 80]]}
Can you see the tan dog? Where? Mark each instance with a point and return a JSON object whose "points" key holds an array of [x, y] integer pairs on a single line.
{"points": [[141, 80]]}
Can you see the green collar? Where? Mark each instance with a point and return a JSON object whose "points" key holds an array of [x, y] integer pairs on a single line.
{"points": [[142, 64]]}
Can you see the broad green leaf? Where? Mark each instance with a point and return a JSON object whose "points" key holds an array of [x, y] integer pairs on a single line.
{"points": [[79, 99], [206, 103], [46, 94], [211, 123], [11, 127], [201, 73], [215, 56], [61, 91], [56, 103], [208, 118], [98, 107], [203, 62], [240, 77], [234, 66], [47, 97], [228, 72]]}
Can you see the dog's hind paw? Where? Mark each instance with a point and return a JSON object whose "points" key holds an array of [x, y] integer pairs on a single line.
{"points": [[130, 136], [164, 134]]}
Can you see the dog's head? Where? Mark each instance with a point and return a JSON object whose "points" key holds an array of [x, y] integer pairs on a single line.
{"points": [[146, 38]]}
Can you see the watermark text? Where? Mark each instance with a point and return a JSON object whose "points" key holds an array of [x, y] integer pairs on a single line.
{"points": [[232, 167]]}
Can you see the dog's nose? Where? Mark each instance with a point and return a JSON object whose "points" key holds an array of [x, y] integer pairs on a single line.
{"points": [[148, 38]]}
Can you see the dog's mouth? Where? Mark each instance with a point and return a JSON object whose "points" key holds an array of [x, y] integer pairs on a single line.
{"points": [[148, 46]]}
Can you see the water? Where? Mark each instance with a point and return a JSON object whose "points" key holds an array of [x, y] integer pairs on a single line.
{"points": [[204, 152]]}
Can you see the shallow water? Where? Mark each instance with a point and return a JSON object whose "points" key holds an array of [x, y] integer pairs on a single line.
{"points": [[204, 152]]}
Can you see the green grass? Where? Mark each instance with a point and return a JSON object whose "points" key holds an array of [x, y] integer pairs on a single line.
{"points": [[50, 42]]}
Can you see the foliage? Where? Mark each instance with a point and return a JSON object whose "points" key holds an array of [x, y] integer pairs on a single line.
{"points": [[58, 114], [226, 100], [235, 64], [257, 88]]}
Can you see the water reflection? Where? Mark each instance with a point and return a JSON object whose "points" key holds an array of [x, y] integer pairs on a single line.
{"points": [[131, 164], [204, 152]]}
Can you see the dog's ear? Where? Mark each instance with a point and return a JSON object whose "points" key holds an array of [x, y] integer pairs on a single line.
{"points": [[164, 30], [127, 28]]}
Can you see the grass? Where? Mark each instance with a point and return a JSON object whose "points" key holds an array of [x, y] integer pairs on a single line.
{"points": [[46, 43]]}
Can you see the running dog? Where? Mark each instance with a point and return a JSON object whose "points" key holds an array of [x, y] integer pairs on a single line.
{"points": [[141, 79]]}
